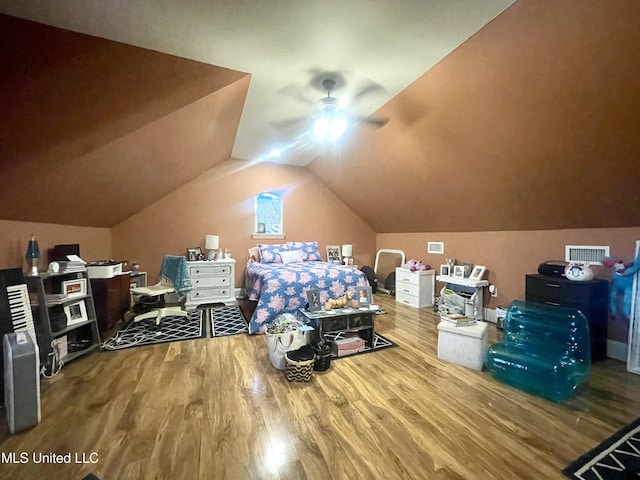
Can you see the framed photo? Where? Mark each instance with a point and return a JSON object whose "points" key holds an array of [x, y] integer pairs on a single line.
{"points": [[261, 228], [364, 296], [333, 255], [468, 268], [74, 288], [313, 297], [444, 270], [478, 272], [458, 271], [193, 253], [76, 313]]}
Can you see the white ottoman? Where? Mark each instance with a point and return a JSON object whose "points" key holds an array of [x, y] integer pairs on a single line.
{"points": [[466, 346]]}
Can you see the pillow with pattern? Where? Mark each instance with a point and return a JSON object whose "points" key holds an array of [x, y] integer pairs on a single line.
{"points": [[308, 250], [271, 253]]}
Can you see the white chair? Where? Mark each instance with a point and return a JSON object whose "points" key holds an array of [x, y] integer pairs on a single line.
{"points": [[174, 278]]}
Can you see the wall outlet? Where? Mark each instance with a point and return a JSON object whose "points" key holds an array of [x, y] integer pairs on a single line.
{"points": [[493, 290]]}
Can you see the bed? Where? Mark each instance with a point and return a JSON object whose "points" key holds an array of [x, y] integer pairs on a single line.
{"points": [[278, 277]]}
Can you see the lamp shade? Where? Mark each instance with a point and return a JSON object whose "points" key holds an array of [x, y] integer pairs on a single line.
{"points": [[347, 250], [33, 251], [211, 242]]}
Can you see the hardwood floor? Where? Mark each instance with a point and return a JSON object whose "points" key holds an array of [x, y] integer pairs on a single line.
{"points": [[216, 409]]}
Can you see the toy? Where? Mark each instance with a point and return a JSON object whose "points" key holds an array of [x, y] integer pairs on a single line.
{"points": [[415, 265], [622, 283], [578, 272]]}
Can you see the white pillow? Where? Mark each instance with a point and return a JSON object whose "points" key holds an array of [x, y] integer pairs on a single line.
{"points": [[291, 256]]}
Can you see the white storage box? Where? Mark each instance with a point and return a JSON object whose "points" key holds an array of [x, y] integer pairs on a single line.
{"points": [[466, 346], [104, 271]]}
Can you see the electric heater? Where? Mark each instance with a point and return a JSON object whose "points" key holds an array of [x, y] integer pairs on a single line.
{"points": [[21, 381]]}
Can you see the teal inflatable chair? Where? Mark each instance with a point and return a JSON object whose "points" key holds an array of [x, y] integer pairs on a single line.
{"points": [[544, 350]]}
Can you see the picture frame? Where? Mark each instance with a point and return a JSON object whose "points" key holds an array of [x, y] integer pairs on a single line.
{"points": [[193, 253], [478, 272], [261, 228], [333, 255], [458, 271], [444, 270], [313, 298], [364, 296], [76, 312], [74, 288], [468, 268]]}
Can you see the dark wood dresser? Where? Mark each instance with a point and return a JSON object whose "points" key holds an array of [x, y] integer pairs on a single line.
{"points": [[591, 298], [112, 299]]}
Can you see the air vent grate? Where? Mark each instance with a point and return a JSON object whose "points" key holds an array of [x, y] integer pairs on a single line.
{"points": [[585, 254], [435, 247]]}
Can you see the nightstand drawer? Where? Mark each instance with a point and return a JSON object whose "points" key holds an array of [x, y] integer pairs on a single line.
{"points": [[208, 294], [211, 282], [208, 270]]}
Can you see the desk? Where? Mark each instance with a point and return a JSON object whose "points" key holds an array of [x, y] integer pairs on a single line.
{"points": [[342, 320], [111, 298], [473, 290]]}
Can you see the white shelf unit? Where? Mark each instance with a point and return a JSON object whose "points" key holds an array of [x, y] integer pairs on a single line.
{"points": [[473, 293]]}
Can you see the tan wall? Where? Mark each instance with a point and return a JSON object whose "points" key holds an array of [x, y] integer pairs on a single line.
{"points": [[509, 256], [221, 202], [95, 243]]}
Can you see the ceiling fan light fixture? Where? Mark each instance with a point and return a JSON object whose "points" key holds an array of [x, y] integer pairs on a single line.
{"points": [[331, 120]]}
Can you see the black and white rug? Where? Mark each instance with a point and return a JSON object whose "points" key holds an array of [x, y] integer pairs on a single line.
{"points": [[171, 329], [227, 321], [618, 457], [379, 343]]}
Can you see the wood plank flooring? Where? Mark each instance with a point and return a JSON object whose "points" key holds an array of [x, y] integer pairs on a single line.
{"points": [[216, 409]]}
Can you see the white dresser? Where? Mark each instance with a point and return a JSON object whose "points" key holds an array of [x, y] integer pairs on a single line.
{"points": [[213, 282], [415, 289]]}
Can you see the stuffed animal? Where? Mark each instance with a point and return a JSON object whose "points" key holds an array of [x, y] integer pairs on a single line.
{"points": [[622, 283], [415, 265]]}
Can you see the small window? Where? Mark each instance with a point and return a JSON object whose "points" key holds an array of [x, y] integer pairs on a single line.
{"points": [[268, 214]]}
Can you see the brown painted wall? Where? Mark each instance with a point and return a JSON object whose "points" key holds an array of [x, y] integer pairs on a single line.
{"points": [[95, 243], [221, 202], [509, 256]]}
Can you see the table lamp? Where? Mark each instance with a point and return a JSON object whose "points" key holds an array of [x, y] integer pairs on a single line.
{"points": [[211, 243], [33, 255], [347, 252]]}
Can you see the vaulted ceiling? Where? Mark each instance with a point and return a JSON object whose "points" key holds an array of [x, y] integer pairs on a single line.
{"points": [[531, 123]]}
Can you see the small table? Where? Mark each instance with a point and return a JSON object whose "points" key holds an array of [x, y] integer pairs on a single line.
{"points": [[342, 320]]}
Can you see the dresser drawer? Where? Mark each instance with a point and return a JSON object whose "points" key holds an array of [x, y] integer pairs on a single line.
{"points": [[209, 270], [407, 299], [210, 282], [406, 276], [208, 294], [408, 288], [558, 289]]}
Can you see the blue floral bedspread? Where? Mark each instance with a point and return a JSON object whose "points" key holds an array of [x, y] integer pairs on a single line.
{"points": [[280, 288]]}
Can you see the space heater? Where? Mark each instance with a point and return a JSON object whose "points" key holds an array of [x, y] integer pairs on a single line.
{"points": [[21, 381]]}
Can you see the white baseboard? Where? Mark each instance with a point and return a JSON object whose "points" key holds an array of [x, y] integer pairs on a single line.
{"points": [[617, 350], [490, 315]]}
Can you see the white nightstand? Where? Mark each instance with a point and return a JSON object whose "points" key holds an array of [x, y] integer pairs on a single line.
{"points": [[213, 282], [415, 289]]}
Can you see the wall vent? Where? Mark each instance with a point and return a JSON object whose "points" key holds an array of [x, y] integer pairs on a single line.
{"points": [[435, 247], [585, 254]]}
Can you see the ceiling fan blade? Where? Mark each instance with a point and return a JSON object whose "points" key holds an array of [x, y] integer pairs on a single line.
{"points": [[367, 88], [374, 122], [295, 92], [290, 123]]}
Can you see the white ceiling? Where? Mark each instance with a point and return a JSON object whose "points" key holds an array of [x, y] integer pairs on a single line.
{"points": [[283, 44]]}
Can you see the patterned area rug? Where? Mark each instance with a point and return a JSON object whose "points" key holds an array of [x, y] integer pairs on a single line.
{"points": [[227, 321], [145, 332], [618, 457], [379, 343]]}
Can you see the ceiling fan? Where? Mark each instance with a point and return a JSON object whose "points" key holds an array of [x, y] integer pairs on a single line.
{"points": [[330, 118]]}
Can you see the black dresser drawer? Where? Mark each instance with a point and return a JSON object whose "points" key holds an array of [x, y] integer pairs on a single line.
{"points": [[588, 297]]}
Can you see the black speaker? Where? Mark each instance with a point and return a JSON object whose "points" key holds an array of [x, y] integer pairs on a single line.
{"points": [[552, 268]]}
